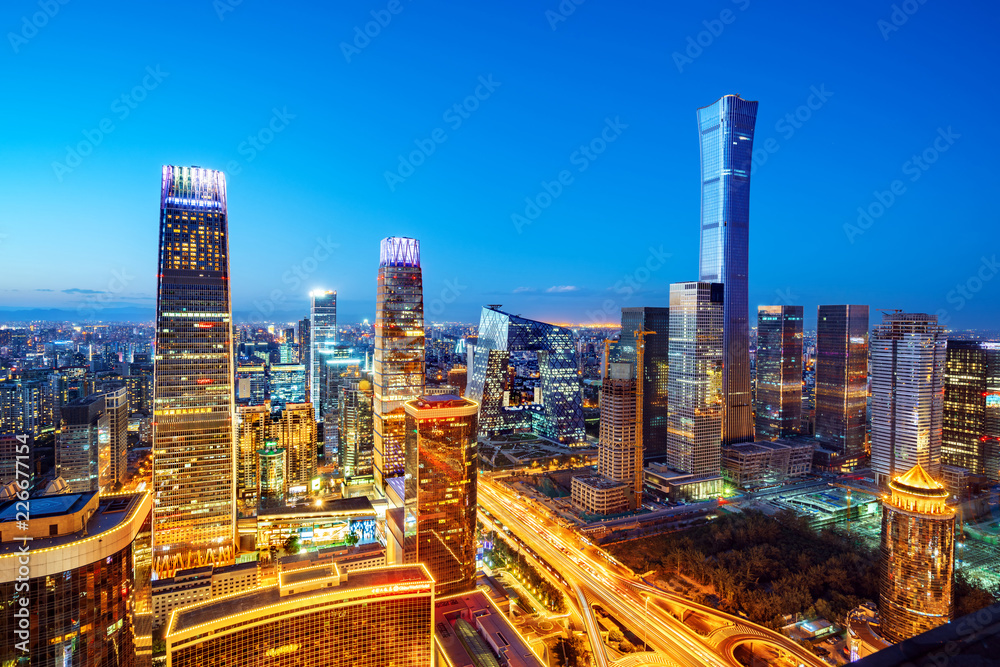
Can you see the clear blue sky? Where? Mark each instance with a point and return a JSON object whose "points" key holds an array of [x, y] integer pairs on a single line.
{"points": [[886, 94]]}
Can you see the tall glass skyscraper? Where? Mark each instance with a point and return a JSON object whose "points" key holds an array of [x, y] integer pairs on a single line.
{"points": [[558, 411], [194, 520], [323, 334], [971, 428], [842, 378], [694, 412], [725, 131], [908, 361], [779, 371], [399, 351], [655, 382], [441, 463]]}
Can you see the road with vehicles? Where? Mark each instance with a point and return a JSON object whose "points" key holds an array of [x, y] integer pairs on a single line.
{"points": [[593, 577]]}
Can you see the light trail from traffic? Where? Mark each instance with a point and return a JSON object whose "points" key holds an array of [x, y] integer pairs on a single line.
{"points": [[616, 588]]}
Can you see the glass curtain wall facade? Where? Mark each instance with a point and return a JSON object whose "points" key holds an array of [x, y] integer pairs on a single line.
{"points": [[441, 463], [356, 428], [655, 373], [323, 335], [963, 441], [560, 414], [288, 383], [193, 457], [779, 371], [917, 556], [908, 361], [694, 439], [842, 378], [725, 131], [398, 369]]}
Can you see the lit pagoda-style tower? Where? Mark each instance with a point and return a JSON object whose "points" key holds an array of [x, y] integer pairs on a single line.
{"points": [[918, 556]]}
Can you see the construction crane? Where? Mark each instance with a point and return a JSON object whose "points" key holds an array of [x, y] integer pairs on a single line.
{"points": [[640, 373]]}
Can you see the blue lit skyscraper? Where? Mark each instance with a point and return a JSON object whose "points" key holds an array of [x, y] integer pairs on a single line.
{"points": [[323, 331], [725, 131], [194, 520]]}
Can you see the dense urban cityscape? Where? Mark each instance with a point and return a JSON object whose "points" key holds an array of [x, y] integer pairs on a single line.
{"points": [[665, 478]]}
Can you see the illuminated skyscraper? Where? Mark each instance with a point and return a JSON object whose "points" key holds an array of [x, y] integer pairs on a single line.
{"points": [[842, 378], [694, 438], [725, 131], [288, 383], [620, 452], [971, 428], [399, 350], [323, 335], [554, 406], [86, 591], [779, 371], [116, 407], [294, 427], [356, 428], [253, 427], [78, 443], [655, 360], [918, 556], [441, 457], [193, 458], [908, 360]]}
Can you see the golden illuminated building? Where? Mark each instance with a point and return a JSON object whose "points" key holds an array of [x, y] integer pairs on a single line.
{"points": [[399, 351], [314, 617], [918, 554], [83, 581], [441, 464], [194, 518]]}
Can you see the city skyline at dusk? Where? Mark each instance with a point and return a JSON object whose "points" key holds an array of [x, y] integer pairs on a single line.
{"points": [[311, 148], [558, 334]]}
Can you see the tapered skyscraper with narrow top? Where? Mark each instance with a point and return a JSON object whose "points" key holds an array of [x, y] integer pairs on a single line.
{"points": [[725, 134], [193, 458], [399, 351]]}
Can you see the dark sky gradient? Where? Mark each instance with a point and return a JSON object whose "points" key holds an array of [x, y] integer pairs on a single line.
{"points": [[323, 174]]}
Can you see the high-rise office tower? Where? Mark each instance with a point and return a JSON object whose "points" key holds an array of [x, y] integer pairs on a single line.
{"points": [[725, 131], [356, 428], [441, 456], [620, 450], [917, 556], [554, 406], [336, 362], [86, 590], [971, 430], [323, 335], [194, 521], [908, 359], [399, 350], [842, 378], [303, 339], [116, 405], [294, 428], [779, 371], [253, 427], [77, 443], [288, 383], [655, 360], [694, 413], [251, 382]]}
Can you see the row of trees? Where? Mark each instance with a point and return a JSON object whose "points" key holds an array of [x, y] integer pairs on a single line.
{"points": [[767, 567], [515, 563]]}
